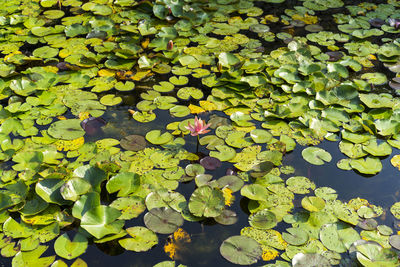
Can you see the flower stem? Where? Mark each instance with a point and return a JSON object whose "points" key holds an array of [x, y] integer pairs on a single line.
{"points": [[197, 145]]}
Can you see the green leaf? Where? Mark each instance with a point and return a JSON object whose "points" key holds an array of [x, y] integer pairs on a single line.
{"points": [[68, 249], [316, 155], [142, 239], [241, 250], [206, 201], [102, 220], [124, 182]]}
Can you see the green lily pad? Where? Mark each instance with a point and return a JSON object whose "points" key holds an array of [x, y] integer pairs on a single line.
{"points": [[232, 182], [102, 220], [124, 182], [133, 142], [66, 129], [263, 219], [312, 203], [45, 52], [241, 250], [68, 249], [142, 239], [206, 201], [227, 217], [295, 236], [316, 155], [110, 100], [130, 207], [375, 78], [155, 137], [338, 237], [260, 136], [163, 220], [368, 165], [310, 259], [223, 153]]}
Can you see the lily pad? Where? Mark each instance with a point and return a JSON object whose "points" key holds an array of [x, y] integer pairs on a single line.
{"points": [[155, 137], [133, 142], [241, 250], [68, 249], [66, 129], [142, 239], [316, 155], [163, 220], [263, 219], [206, 201]]}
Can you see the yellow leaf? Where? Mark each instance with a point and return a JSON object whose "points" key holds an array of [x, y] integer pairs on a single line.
{"points": [[307, 19], [229, 198], [207, 105], [371, 57], [396, 161], [269, 254], [68, 145], [61, 118], [106, 73], [195, 109], [270, 18], [84, 115], [333, 47], [12, 54], [140, 75]]}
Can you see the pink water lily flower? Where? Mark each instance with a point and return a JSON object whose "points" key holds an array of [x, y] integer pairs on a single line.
{"points": [[199, 127]]}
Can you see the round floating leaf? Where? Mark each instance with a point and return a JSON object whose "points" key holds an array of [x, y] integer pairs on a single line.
{"points": [[395, 210], [155, 137], [68, 249], [394, 241], [45, 52], [241, 250], [254, 192], [223, 153], [74, 188], [260, 136], [310, 260], [124, 182], [369, 165], [102, 220], [312, 203], [368, 224], [130, 207], [210, 163], [188, 92], [295, 236], [206, 201], [227, 217], [232, 182], [194, 169], [133, 142], [163, 220], [92, 125], [316, 155], [375, 78], [125, 87], [110, 100], [142, 239], [66, 129], [263, 219]]}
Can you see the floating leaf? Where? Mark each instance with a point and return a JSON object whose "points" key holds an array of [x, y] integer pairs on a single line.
{"points": [[66, 129], [142, 239], [241, 250], [68, 249], [206, 201], [316, 155], [163, 220]]}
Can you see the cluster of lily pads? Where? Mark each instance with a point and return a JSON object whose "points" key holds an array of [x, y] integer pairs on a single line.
{"points": [[66, 64]]}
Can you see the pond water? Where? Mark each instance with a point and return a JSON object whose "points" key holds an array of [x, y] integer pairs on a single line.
{"points": [[293, 157]]}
